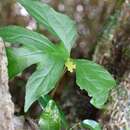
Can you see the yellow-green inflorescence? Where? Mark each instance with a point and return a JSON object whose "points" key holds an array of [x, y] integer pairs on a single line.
{"points": [[70, 65]]}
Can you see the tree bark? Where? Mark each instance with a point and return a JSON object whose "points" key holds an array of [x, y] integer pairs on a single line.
{"points": [[8, 121], [117, 114], [116, 58], [6, 105]]}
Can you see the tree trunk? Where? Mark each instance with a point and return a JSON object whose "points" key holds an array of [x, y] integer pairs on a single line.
{"points": [[116, 58], [7, 119], [117, 114], [6, 105]]}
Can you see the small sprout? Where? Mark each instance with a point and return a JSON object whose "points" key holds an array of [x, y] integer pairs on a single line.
{"points": [[70, 65]]}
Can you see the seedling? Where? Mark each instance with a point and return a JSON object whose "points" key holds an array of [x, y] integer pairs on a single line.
{"points": [[52, 59]]}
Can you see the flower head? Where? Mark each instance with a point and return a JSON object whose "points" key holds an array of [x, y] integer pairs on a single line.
{"points": [[70, 65]]}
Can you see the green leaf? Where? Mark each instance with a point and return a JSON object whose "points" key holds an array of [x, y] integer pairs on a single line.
{"points": [[43, 101], [95, 80], [21, 58], [55, 22], [30, 39], [91, 124], [36, 49], [51, 118], [43, 80]]}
